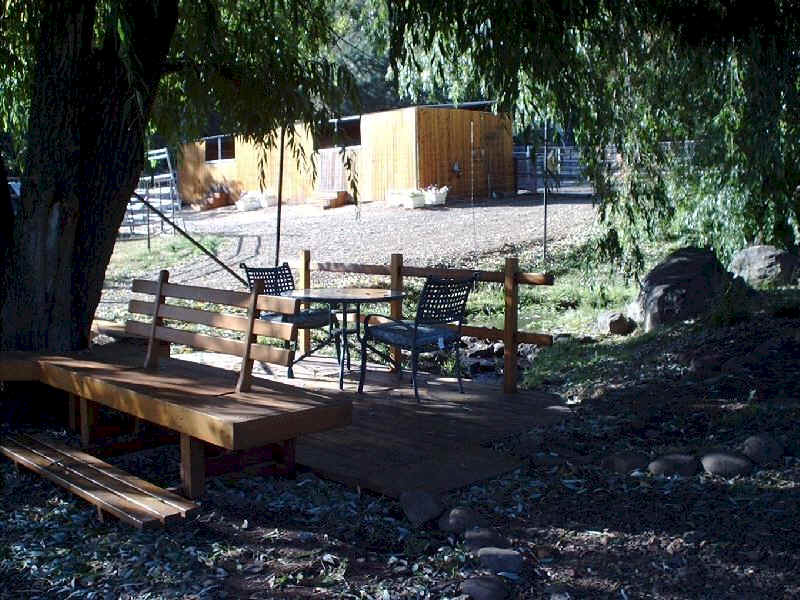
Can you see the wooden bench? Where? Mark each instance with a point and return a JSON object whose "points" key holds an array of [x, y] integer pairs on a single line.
{"points": [[225, 420], [112, 490]]}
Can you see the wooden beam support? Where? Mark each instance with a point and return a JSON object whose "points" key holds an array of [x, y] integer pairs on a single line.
{"points": [[511, 293], [88, 418], [396, 273], [193, 466], [74, 413], [153, 350], [304, 335], [246, 371]]}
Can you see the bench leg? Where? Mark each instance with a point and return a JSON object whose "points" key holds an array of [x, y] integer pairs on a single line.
{"points": [[193, 467], [74, 412], [288, 458], [88, 418]]}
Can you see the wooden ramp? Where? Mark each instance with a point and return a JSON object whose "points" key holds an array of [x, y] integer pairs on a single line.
{"points": [[395, 444], [112, 490]]}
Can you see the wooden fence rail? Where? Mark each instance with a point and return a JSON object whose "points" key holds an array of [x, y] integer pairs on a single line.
{"points": [[511, 278]]}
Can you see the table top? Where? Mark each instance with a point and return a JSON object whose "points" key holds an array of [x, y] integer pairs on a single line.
{"points": [[354, 295]]}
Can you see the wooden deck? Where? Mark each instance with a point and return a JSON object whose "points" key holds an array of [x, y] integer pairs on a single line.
{"points": [[395, 444]]}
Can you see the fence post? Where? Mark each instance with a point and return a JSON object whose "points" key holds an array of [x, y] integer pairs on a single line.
{"points": [[305, 283], [396, 273], [511, 293]]}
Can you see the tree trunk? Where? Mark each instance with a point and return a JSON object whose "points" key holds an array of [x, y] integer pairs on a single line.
{"points": [[89, 110]]}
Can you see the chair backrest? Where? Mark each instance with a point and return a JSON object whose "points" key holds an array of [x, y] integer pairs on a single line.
{"points": [[444, 300], [214, 316], [276, 279]]}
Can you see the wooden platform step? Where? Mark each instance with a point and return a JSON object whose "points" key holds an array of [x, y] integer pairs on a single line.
{"points": [[112, 490]]}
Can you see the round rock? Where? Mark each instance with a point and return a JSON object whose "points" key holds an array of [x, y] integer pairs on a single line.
{"points": [[483, 537], [762, 449], [626, 461], [420, 507], [684, 465], [484, 588], [459, 519], [726, 464], [500, 560]]}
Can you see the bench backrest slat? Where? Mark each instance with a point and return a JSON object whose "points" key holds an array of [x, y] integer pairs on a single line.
{"points": [[283, 331], [251, 325], [214, 296], [264, 353]]}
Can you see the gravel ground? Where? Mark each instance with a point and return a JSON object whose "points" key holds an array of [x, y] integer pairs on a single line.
{"points": [[457, 235]]}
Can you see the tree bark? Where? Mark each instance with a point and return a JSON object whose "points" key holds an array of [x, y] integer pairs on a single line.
{"points": [[90, 106]]}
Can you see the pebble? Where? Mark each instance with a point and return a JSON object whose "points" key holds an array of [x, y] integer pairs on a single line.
{"points": [[484, 588], [500, 559], [420, 507], [684, 465], [626, 461], [482, 537], [762, 449], [726, 464], [460, 519]]}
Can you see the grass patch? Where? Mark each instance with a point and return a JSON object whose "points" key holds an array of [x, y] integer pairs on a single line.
{"points": [[583, 288], [579, 364], [132, 258]]}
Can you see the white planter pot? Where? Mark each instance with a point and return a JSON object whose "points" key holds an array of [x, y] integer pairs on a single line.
{"points": [[435, 198], [406, 198]]}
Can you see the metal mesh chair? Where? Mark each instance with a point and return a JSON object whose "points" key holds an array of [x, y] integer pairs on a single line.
{"points": [[441, 303], [278, 280]]}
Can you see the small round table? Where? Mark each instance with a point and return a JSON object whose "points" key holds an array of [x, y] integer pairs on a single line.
{"points": [[344, 298]]}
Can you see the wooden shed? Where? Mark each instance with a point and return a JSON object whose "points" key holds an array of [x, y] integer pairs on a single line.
{"points": [[469, 151]]}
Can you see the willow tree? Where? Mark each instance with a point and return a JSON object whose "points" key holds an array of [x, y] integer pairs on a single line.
{"points": [[642, 76], [82, 82]]}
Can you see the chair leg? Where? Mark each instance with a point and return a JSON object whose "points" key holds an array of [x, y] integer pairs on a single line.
{"points": [[414, 361], [289, 372], [458, 371], [363, 374]]}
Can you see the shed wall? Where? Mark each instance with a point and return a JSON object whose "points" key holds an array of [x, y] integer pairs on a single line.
{"points": [[387, 159], [484, 155], [242, 172]]}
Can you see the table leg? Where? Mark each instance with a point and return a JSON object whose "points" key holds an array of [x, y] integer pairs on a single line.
{"points": [[345, 350]]}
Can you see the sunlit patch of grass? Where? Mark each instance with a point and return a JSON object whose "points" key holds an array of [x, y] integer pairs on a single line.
{"points": [[133, 258]]}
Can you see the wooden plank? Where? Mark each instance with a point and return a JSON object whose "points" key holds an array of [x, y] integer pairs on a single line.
{"points": [[193, 467], [303, 417], [151, 360], [408, 271], [270, 354], [185, 410], [165, 505], [109, 501], [246, 369], [490, 276], [535, 278], [288, 306], [283, 331], [511, 294], [332, 267], [180, 398]]}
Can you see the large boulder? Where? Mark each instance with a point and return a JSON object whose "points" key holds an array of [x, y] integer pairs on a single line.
{"points": [[765, 265], [681, 287]]}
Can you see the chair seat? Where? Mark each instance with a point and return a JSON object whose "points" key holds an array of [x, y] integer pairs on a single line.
{"points": [[305, 319], [427, 335]]}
